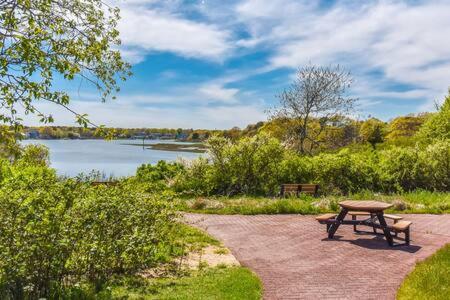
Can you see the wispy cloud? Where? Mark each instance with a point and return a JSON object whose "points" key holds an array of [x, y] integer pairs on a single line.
{"points": [[145, 29]]}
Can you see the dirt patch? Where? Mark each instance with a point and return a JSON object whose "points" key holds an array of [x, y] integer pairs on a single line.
{"points": [[211, 256]]}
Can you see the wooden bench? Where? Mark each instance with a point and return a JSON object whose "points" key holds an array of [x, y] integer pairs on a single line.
{"points": [[299, 188]]}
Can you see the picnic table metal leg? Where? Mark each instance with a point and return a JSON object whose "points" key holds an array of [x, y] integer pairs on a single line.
{"points": [[387, 232], [335, 225], [374, 218]]}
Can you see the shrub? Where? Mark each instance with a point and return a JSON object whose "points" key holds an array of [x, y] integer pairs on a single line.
{"points": [[194, 179], [258, 165], [344, 172], [59, 232], [37, 155], [437, 127], [249, 166], [399, 169], [434, 164], [156, 177]]}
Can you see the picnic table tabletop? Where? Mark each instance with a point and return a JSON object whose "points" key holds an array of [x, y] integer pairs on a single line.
{"points": [[369, 206]]}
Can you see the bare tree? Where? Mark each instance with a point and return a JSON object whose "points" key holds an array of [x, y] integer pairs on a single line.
{"points": [[316, 98]]}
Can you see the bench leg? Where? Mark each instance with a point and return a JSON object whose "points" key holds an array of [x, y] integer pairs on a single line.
{"points": [[354, 225], [395, 233], [374, 217], [407, 238], [328, 227]]}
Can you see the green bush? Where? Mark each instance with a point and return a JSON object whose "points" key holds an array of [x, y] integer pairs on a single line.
{"points": [[345, 172], [434, 164], [194, 179], [259, 165], [249, 166], [157, 177], [55, 233]]}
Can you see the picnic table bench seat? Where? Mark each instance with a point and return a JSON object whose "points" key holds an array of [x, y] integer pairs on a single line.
{"points": [[325, 217], [401, 225]]}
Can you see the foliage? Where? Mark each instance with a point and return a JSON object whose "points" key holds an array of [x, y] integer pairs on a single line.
{"points": [[404, 127], [437, 127], [372, 131], [249, 166], [345, 172], [55, 233], [157, 177], [259, 165], [43, 41], [430, 279], [34, 154], [9, 147]]}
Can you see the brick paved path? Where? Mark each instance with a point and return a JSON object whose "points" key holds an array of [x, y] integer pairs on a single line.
{"points": [[295, 260]]}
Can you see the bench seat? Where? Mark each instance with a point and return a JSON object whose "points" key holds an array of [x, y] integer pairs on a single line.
{"points": [[401, 225], [325, 217]]}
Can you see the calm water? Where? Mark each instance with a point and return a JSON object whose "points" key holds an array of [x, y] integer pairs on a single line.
{"points": [[71, 157]]}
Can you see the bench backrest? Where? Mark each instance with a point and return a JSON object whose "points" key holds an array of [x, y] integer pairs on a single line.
{"points": [[297, 188]]}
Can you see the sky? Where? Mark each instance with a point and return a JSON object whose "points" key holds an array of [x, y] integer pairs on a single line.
{"points": [[217, 64]]}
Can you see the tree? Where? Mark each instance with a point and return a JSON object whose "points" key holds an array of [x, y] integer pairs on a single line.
{"points": [[404, 127], [372, 131], [437, 127], [317, 96], [45, 40]]}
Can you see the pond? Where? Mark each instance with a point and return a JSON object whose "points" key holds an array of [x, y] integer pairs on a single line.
{"points": [[111, 158]]}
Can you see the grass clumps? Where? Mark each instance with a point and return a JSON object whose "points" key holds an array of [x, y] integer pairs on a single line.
{"points": [[209, 283], [412, 202], [430, 279]]}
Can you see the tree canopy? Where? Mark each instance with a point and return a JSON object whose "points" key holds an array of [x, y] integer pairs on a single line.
{"points": [[437, 127], [42, 41]]}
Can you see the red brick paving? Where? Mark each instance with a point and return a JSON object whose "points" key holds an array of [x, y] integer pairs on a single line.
{"points": [[295, 260]]}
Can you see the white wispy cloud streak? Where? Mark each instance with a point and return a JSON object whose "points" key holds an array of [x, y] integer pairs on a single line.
{"points": [[144, 29]]}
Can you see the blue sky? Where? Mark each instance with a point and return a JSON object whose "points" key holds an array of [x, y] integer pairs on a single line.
{"points": [[219, 64]]}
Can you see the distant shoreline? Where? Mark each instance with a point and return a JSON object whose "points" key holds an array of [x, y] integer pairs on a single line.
{"points": [[188, 147]]}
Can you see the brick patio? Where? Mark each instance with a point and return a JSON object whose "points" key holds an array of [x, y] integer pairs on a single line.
{"points": [[295, 260]]}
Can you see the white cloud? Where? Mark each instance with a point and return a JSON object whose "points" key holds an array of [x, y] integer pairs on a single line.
{"points": [[143, 30], [406, 42], [216, 92]]}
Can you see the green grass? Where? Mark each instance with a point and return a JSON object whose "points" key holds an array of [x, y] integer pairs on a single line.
{"points": [[430, 279], [211, 283], [414, 202]]}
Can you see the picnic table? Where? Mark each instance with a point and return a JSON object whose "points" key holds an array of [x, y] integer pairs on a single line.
{"points": [[376, 219]]}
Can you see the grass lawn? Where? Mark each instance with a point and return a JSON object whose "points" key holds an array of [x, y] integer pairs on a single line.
{"points": [[430, 279], [210, 283], [415, 202]]}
